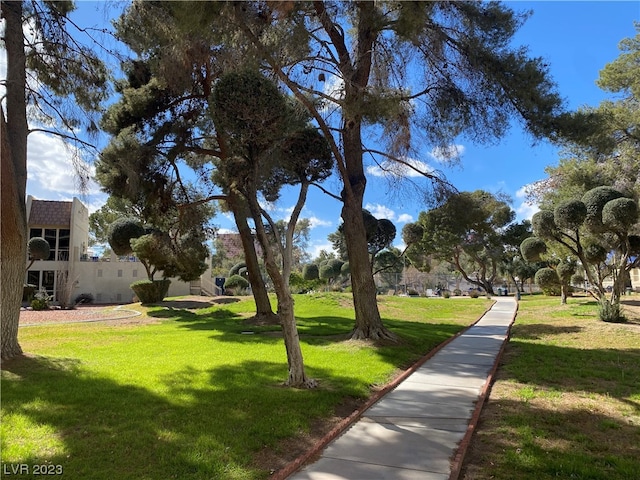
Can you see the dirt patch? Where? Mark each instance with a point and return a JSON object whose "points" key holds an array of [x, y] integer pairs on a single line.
{"points": [[84, 313]]}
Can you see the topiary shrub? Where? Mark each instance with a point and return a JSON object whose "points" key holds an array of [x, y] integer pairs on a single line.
{"points": [[457, 292], [38, 249], [595, 200], [121, 232], [547, 279], [235, 283], [446, 294], [310, 272], [474, 293], [149, 291], [239, 269], [532, 249]]}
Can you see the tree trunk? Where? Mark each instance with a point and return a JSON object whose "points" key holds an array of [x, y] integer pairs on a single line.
{"points": [[13, 182], [368, 321], [564, 293], [297, 376], [264, 313]]}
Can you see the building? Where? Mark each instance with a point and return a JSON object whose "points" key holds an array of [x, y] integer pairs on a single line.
{"points": [[70, 270], [231, 245]]}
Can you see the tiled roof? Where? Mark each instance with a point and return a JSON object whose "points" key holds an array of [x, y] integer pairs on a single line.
{"points": [[51, 213]]}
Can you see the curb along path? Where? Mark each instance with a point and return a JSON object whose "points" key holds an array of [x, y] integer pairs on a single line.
{"points": [[420, 430]]}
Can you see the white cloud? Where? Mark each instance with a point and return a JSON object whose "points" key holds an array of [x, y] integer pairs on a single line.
{"points": [[315, 248], [380, 211], [51, 174], [316, 222], [405, 218], [226, 230], [525, 209], [409, 168], [334, 87], [447, 154]]}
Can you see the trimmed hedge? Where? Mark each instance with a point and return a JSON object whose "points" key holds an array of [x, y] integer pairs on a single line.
{"points": [[151, 292]]}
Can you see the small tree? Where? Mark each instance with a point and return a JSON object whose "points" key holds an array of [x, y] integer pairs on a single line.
{"points": [[598, 230], [466, 231], [269, 145], [331, 270], [182, 256]]}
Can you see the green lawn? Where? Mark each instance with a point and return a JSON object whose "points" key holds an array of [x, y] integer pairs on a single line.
{"points": [[566, 402], [192, 394]]}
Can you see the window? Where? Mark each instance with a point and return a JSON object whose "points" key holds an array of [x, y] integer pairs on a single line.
{"points": [[33, 278], [134, 274], [64, 240], [50, 235], [48, 281], [59, 241], [99, 273], [119, 273]]}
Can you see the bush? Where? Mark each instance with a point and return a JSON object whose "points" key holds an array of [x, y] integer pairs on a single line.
{"points": [[457, 292], [84, 298], [41, 301], [121, 232], [236, 283], [446, 294], [547, 279], [299, 284], [610, 312], [310, 272], [474, 293], [149, 291], [238, 269]]}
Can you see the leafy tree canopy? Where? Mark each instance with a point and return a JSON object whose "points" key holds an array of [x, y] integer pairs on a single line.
{"points": [[466, 231]]}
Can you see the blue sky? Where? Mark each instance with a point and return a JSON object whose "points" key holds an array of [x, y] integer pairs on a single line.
{"points": [[575, 38]]}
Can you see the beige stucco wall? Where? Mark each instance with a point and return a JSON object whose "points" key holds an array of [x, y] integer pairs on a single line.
{"points": [[109, 282]]}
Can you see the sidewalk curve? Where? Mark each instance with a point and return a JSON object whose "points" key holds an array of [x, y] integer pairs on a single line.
{"points": [[420, 429]]}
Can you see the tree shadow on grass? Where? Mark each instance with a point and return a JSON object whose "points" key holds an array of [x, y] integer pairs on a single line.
{"points": [[610, 372], [535, 331], [578, 415], [532, 442], [102, 429]]}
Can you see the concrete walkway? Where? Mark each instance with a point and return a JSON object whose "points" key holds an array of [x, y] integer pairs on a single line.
{"points": [[419, 430]]}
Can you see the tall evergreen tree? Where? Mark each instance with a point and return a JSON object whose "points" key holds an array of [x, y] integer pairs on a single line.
{"points": [[414, 73], [62, 68]]}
